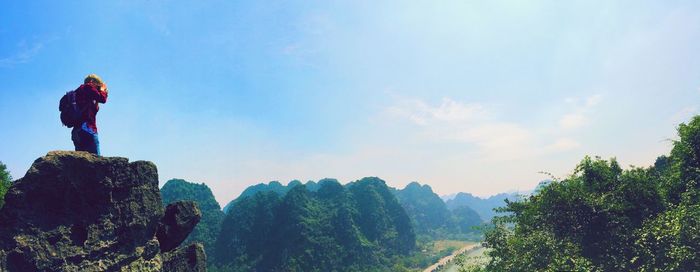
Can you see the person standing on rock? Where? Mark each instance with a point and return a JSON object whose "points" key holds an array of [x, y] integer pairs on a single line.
{"points": [[88, 96]]}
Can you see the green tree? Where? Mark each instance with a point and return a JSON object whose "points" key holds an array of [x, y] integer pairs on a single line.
{"points": [[671, 241], [5, 182], [586, 222], [604, 218], [683, 184]]}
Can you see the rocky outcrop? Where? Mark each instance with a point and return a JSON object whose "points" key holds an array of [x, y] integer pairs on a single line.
{"points": [[179, 220], [185, 259], [74, 211]]}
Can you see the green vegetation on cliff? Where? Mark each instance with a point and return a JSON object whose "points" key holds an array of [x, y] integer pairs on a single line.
{"points": [[428, 212], [430, 216], [356, 227], [604, 218], [273, 186]]}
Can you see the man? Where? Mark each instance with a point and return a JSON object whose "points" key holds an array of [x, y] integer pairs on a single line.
{"points": [[87, 97]]}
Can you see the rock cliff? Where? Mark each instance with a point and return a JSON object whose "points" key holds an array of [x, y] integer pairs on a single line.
{"points": [[74, 211]]}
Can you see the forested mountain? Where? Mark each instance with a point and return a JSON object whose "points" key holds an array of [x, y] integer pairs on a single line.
{"points": [[448, 197], [464, 219], [208, 228], [430, 215], [356, 227], [425, 208], [273, 186], [604, 218], [483, 206]]}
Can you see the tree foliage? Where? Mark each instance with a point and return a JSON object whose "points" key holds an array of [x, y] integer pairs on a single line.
{"points": [[272, 186], [5, 182], [604, 218]]}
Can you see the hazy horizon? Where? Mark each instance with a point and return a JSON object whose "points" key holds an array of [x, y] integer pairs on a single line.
{"points": [[475, 97]]}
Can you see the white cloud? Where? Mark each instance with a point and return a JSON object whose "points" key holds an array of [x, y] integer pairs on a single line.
{"points": [[467, 123], [563, 144], [501, 141], [449, 110], [494, 139], [453, 111], [581, 110], [573, 121], [593, 100], [24, 54]]}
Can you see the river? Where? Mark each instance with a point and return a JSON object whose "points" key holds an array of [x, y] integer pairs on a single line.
{"points": [[449, 258]]}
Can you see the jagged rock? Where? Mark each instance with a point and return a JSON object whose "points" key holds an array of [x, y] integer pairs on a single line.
{"points": [[185, 259], [179, 220], [74, 211]]}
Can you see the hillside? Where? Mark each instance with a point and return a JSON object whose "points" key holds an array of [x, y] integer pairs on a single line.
{"points": [[429, 214], [357, 227], [426, 209]]}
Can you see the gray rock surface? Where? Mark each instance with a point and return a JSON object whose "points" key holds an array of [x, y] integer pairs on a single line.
{"points": [[74, 211]]}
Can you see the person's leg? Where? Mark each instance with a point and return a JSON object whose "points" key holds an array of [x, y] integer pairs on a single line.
{"points": [[96, 144], [89, 140], [77, 139]]}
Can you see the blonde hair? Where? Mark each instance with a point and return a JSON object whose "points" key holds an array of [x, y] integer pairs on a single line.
{"points": [[93, 78]]}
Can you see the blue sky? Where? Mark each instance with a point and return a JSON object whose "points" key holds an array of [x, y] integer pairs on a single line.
{"points": [[474, 96]]}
